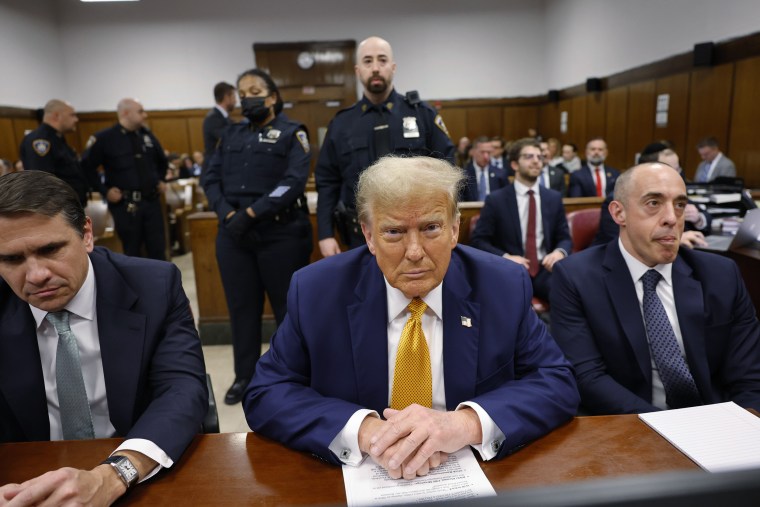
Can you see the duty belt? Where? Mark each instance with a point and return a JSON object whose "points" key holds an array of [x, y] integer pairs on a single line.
{"points": [[138, 195]]}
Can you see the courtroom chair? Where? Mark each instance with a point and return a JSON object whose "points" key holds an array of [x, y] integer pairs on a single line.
{"points": [[583, 225], [540, 306]]}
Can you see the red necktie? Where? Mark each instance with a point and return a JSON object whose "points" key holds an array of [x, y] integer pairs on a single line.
{"points": [[530, 236], [598, 182]]}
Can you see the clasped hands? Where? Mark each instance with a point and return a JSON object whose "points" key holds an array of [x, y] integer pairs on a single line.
{"points": [[412, 441]]}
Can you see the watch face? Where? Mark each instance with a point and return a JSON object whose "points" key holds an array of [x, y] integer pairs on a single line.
{"points": [[305, 60]]}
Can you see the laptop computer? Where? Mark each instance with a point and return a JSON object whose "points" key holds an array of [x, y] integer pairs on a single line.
{"points": [[748, 233]]}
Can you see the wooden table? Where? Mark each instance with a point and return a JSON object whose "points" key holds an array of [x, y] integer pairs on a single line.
{"points": [[247, 469]]}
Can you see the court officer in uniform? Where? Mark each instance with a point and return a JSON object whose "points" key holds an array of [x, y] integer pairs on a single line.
{"points": [[255, 183], [135, 166], [45, 148], [382, 122]]}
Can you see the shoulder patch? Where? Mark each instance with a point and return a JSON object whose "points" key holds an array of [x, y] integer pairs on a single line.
{"points": [[304, 140], [90, 142], [439, 122], [41, 147]]}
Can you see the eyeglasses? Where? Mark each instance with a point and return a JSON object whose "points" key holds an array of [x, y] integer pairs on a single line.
{"points": [[531, 156]]}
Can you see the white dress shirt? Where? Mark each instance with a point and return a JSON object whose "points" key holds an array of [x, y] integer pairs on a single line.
{"points": [[83, 320], [666, 295], [345, 445], [521, 191]]}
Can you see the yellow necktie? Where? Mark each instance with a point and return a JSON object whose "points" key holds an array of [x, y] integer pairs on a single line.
{"points": [[412, 379]]}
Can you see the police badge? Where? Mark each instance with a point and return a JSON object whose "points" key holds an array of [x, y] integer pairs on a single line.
{"points": [[410, 127], [41, 146]]}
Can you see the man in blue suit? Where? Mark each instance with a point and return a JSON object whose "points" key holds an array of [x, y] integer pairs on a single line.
{"points": [[605, 315], [120, 326], [505, 220], [489, 375], [593, 179], [483, 177]]}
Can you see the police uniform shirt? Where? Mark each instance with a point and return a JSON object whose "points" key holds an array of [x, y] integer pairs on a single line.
{"points": [[45, 149], [132, 160], [349, 147]]}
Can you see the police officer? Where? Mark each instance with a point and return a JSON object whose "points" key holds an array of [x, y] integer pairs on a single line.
{"points": [[45, 148], [134, 167], [382, 122], [255, 183]]}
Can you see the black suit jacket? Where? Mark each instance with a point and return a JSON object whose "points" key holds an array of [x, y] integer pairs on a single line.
{"points": [[152, 358], [213, 127], [497, 178], [557, 179], [583, 184]]}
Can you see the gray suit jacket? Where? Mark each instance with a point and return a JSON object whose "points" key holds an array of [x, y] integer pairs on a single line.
{"points": [[723, 167]]}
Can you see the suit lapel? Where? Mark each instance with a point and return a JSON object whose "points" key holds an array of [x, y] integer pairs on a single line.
{"points": [[691, 319], [460, 342], [368, 324], [121, 333], [547, 221], [514, 230], [625, 303], [23, 386]]}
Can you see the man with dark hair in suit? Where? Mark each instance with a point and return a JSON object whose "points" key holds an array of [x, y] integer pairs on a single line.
{"points": [[93, 345], [218, 118], [525, 222], [444, 335], [552, 176], [593, 179], [648, 325], [482, 176], [714, 163]]}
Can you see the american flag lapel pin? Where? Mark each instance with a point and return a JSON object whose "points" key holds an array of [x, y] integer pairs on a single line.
{"points": [[466, 321]]}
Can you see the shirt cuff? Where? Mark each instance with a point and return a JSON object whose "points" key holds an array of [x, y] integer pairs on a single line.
{"points": [[492, 438], [149, 449], [345, 445], [701, 222]]}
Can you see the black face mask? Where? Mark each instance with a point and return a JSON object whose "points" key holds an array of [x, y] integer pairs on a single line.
{"points": [[254, 109]]}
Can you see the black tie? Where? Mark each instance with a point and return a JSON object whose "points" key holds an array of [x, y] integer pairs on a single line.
{"points": [[382, 133]]}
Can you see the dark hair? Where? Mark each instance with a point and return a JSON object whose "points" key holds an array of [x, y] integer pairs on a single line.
{"points": [[221, 90], [500, 139], [41, 193], [271, 86], [651, 152], [480, 140], [573, 146], [708, 141], [517, 147]]}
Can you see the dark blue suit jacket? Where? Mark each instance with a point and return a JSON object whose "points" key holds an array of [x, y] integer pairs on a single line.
{"points": [[329, 358], [498, 229], [583, 184], [497, 178], [596, 319], [151, 353]]}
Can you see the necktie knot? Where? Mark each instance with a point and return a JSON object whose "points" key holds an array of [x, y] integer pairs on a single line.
{"points": [[417, 306], [650, 279], [530, 193], [60, 321]]}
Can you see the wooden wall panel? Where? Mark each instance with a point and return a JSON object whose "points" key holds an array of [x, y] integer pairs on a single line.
{"points": [[576, 128], [710, 92], [677, 87], [8, 144], [641, 108], [171, 133], [21, 126], [455, 119], [616, 127], [596, 114], [516, 120], [548, 121], [484, 121], [195, 133], [743, 146]]}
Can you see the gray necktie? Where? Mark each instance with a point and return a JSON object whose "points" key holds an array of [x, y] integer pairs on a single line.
{"points": [[680, 389], [76, 419]]}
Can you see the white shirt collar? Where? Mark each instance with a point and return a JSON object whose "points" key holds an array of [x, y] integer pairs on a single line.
{"points": [[397, 301], [81, 305], [522, 189], [638, 268]]}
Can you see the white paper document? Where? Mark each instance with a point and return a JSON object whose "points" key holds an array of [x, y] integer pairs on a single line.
{"points": [[719, 437], [459, 477]]}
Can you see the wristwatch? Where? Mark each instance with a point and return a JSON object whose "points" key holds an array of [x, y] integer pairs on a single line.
{"points": [[124, 469]]}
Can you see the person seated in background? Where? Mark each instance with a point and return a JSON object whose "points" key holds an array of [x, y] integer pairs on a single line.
{"points": [[697, 221], [462, 155], [482, 176], [552, 176], [198, 160], [553, 147], [439, 338], [714, 163], [593, 179], [526, 222], [651, 326], [94, 345], [570, 159], [499, 157]]}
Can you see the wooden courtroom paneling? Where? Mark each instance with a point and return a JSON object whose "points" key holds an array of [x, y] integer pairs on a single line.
{"points": [[195, 133], [548, 122], [710, 92], [87, 128], [21, 126], [641, 107], [172, 133], [743, 145], [577, 123], [677, 87], [516, 120], [616, 126], [455, 119], [484, 121], [596, 114], [8, 144]]}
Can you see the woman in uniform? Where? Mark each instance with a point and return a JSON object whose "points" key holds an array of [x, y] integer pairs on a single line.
{"points": [[255, 183]]}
